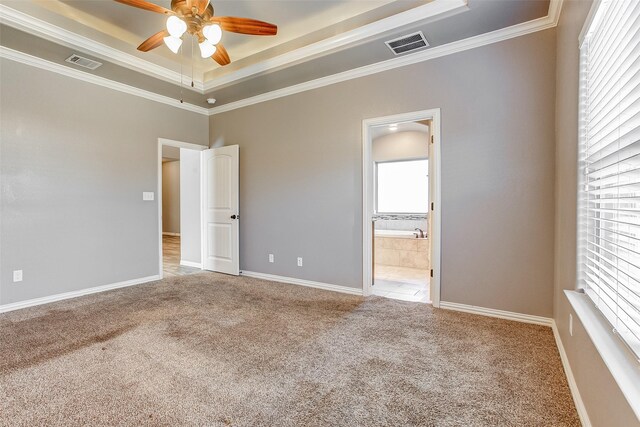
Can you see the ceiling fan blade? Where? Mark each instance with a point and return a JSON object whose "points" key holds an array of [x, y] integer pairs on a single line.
{"points": [[154, 41], [202, 5], [221, 56], [245, 26], [142, 4]]}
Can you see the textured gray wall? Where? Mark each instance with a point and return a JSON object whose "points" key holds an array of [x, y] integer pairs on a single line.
{"points": [[190, 205], [75, 159], [603, 399], [171, 197], [301, 185]]}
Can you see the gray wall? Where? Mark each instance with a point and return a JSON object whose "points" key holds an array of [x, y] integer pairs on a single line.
{"points": [[603, 399], [301, 185], [400, 146], [75, 159], [190, 205], [171, 197]]}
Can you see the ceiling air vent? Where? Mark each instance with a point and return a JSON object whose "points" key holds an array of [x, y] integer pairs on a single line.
{"points": [[407, 43], [83, 62]]}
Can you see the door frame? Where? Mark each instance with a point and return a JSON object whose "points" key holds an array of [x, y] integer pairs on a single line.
{"points": [[178, 144], [368, 196]]}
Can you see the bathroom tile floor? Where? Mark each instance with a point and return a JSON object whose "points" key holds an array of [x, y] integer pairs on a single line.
{"points": [[402, 283]]}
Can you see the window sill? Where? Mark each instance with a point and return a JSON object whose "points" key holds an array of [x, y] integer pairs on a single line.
{"points": [[622, 364]]}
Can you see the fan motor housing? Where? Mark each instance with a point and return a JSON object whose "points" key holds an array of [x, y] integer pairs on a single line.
{"points": [[194, 21]]}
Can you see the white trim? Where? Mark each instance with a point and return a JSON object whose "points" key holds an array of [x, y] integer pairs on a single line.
{"points": [[617, 357], [573, 386], [302, 282], [179, 144], [34, 61], [587, 22], [38, 27], [167, 233], [503, 34], [435, 172], [501, 314], [73, 294], [191, 264], [432, 9]]}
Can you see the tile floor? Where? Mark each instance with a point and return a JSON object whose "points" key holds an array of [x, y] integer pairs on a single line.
{"points": [[403, 283], [171, 258]]}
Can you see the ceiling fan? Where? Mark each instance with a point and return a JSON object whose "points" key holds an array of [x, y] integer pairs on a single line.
{"points": [[196, 17]]}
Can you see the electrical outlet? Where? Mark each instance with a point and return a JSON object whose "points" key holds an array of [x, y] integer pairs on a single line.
{"points": [[17, 276], [570, 325], [271, 258], [148, 196], [299, 261]]}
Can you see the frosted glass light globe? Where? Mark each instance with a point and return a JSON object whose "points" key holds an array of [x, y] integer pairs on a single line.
{"points": [[213, 33], [207, 49], [176, 26], [173, 43]]}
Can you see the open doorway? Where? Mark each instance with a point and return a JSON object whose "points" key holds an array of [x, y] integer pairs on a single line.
{"points": [[179, 207], [401, 235]]}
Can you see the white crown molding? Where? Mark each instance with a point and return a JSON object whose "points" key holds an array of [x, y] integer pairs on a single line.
{"points": [[67, 295], [501, 314], [573, 386], [38, 27], [503, 34], [429, 10], [302, 282], [34, 61]]}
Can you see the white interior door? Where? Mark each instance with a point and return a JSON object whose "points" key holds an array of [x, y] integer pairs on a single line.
{"points": [[221, 210]]}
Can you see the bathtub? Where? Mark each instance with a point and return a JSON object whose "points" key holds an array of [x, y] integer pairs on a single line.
{"points": [[401, 248], [398, 234]]}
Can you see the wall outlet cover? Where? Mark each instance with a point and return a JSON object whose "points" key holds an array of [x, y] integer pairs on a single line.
{"points": [[148, 195], [17, 276], [271, 258], [570, 324], [299, 261]]}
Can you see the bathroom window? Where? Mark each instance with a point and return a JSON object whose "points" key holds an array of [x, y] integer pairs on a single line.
{"points": [[402, 187]]}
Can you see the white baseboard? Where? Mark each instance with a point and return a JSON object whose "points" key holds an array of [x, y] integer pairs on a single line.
{"points": [[509, 315], [191, 264], [166, 233], [573, 386], [67, 295], [302, 282]]}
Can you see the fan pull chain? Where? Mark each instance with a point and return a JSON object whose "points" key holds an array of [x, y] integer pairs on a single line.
{"points": [[192, 85], [181, 59]]}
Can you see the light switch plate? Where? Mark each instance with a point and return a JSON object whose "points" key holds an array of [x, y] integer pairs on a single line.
{"points": [[299, 261], [271, 258], [17, 276], [147, 195]]}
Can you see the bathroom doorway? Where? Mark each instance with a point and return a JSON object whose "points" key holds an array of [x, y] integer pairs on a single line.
{"points": [[401, 193]]}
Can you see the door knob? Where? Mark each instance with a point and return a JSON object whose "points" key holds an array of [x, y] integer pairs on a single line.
{"points": [[235, 216]]}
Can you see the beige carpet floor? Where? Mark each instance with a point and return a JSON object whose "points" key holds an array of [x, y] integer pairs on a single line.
{"points": [[215, 350]]}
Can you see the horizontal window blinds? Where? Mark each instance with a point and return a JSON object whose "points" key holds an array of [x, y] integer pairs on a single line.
{"points": [[609, 235]]}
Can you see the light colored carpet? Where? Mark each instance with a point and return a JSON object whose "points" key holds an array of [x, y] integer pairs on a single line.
{"points": [[215, 350]]}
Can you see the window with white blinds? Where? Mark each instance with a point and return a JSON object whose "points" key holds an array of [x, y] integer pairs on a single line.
{"points": [[609, 234]]}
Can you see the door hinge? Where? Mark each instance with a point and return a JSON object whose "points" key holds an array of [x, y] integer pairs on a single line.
{"points": [[432, 139], [431, 205], [431, 272]]}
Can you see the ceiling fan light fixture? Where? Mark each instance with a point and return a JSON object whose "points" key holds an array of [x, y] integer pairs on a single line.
{"points": [[173, 43], [207, 49], [176, 26], [213, 33]]}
